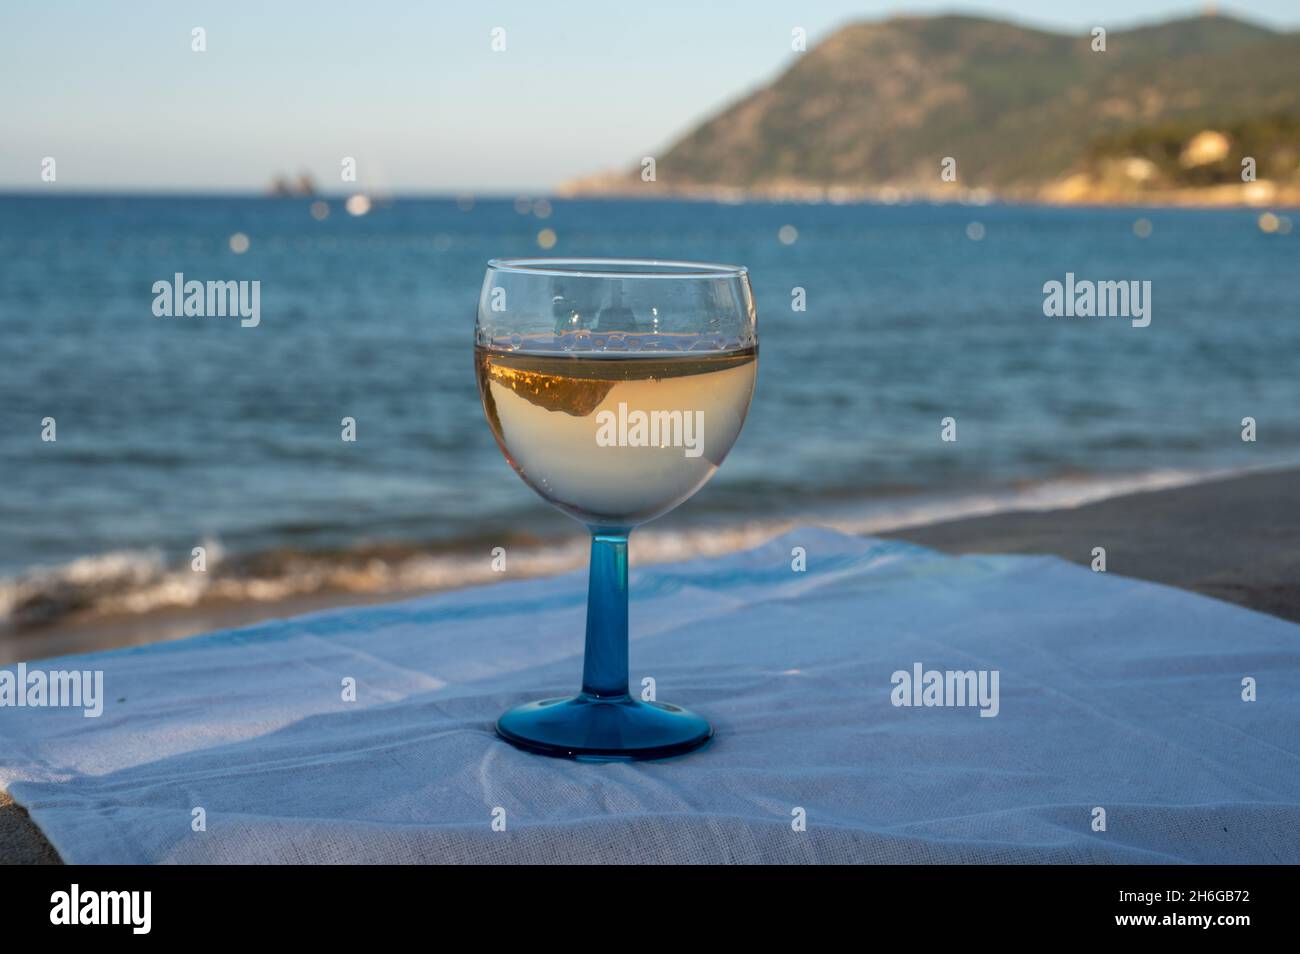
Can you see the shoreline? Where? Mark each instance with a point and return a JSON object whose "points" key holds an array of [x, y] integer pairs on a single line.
{"points": [[1139, 514], [1261, 194]]}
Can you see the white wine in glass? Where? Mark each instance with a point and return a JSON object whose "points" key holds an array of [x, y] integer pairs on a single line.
{"points": [[547, 411]]}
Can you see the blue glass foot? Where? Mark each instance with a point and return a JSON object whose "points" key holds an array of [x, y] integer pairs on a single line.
{"points": [[603, 729]]}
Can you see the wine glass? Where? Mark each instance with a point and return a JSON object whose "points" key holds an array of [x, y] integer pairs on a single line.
{"points": [[614, 388]]}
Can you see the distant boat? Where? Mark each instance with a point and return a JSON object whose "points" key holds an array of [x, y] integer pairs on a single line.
{"points": [[282, 187]]}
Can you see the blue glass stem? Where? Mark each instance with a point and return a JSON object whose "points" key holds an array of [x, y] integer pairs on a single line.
{"points": [[604, 722], [604, 668]]}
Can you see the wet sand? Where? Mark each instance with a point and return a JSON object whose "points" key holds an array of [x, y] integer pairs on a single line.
{"points": [[1236, 540]]}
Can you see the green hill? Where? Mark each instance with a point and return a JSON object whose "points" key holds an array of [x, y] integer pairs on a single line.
{"points": [[1024, 112]]}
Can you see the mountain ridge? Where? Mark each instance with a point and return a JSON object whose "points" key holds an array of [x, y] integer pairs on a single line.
{"points": [[877, 106]]}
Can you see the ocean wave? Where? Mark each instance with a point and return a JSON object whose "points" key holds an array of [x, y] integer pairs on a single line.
{"points": [[139, 582]]}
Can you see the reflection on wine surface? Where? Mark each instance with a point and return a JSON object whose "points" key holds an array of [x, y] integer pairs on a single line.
{"points": [[614, 438]]}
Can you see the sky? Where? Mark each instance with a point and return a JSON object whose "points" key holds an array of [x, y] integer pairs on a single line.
{"points": [[413, 91]]}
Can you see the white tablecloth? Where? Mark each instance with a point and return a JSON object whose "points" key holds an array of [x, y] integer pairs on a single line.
{"points": [[1113, 694]]}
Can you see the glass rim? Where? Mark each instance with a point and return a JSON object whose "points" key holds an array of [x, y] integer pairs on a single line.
{"points": [[616, 268]]}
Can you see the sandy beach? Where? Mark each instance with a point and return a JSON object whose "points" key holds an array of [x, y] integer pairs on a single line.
{"points": [[1236, 539]]}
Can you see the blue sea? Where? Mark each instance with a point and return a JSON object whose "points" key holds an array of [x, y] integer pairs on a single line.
{"points": [[174, 433]]}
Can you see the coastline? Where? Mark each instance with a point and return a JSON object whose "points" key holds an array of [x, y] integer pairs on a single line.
{"points": [[1070, 192], [1150, 524]]}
